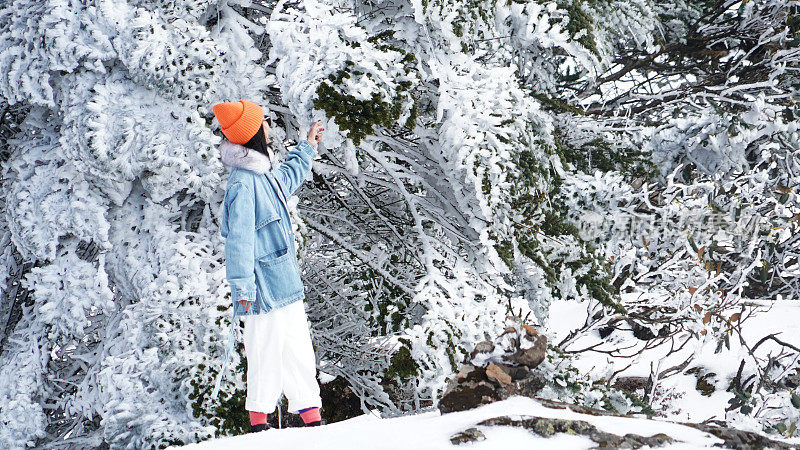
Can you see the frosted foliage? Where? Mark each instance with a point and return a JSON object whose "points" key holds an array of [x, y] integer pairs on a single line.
{"points": [[717, 144], [538, 33], [339, 42], [719, 229], [168, 329], [52, 196], [677, 15], [451, 23], [68, 292], [69, 296], [465, 168], [736, 201], [44, 36], [110, 188], [129, 132], [594, 201], [532, 285], [460, 313], [7, 262], [242, 76], [484, 115], [21, 390], [474, 154], [185, 9], [181, 58], [506, 166], [630, 23]]}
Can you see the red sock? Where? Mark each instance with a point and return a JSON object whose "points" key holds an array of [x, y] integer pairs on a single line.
{"points": [[310, 415], [257, 418]]}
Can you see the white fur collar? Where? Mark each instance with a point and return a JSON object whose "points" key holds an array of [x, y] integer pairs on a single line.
{"points": [[234, 155]]}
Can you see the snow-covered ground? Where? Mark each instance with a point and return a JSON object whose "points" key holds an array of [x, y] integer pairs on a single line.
{"points": [[688, 405], [432, 430]]}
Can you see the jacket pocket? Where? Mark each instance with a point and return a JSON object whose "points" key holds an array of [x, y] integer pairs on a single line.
{"points": [[263, 222], [269, 236], [280, 274]]}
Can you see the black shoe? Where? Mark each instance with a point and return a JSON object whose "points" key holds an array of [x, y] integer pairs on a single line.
{"points": [[259, 427], [316, 423]]}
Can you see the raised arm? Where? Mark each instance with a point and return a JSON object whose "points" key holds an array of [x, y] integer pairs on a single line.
{"points": [[294, 170]]}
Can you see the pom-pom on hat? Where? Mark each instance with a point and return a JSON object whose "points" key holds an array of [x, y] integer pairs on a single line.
{"points": [[239, 120]]}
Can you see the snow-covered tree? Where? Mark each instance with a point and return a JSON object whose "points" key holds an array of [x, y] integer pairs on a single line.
{"points": [[111, 188], [481, 159], [711, 98]]}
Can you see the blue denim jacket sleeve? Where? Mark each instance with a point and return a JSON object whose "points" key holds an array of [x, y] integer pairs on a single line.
{"points": [[240, 243], [293, 171]]}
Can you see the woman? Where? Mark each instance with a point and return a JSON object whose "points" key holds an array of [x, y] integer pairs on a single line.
{"points": [[261, 264]]}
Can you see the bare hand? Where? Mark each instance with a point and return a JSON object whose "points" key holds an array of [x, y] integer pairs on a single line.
{"points": [[315, 133], [246, 304]]}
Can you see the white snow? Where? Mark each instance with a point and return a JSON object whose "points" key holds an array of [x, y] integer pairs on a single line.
{"points": [[432, 430], [768, 317]]}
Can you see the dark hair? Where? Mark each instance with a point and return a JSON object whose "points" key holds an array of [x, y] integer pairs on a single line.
{"points": [[258, 142]]}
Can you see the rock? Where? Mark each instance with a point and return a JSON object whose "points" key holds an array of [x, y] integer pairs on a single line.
{"points": [[547, 427], [555, 404], [340, 401], [631, 384], [468, 372], [508, 330], [792, 380], [640, 331], [470, 388], [644, 333], [528, 386], [533, 356], [496, 373], [464, 397], [530, 332], [475, 386], [705, 380], [468, 435], [739, 439], [517, 372], [493, 375], [482, 347], [705, 388]]}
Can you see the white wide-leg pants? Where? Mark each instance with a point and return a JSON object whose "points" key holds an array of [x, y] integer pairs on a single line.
{"points": [[280, 358]]}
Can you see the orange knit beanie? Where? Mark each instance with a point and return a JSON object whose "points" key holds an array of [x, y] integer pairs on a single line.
{"points": [[239, 120]]}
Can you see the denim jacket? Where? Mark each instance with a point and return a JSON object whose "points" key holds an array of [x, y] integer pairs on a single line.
{"points": [[260, 255]]}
